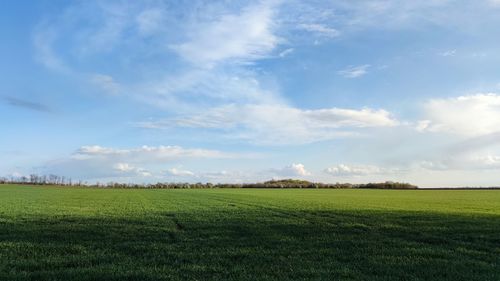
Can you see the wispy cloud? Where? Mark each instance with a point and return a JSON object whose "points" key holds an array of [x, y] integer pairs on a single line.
{"points": [[279, 124], [26, 104], [43, 41], [213, 50], [354, 71], [463, 162], [286, 52], [106, 83], [147, 153], [200, 88], [448, 53], [319, 29], [150, 21], [240, 38]]}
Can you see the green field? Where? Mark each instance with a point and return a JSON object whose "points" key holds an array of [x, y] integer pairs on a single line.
{"points": [[50, 233]]}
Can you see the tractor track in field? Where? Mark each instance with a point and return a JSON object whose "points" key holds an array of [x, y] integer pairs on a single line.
{"points": [[301, 215], [172, 217], [178, 227], [149, 206]]}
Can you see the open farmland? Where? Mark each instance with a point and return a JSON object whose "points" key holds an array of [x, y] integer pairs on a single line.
{"points": [[51, 233]]}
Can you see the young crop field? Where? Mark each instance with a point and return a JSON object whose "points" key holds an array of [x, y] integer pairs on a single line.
{"points": [[65, 233]]}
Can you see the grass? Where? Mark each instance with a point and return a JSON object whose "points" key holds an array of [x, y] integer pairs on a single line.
{"points": [[50, 233]]}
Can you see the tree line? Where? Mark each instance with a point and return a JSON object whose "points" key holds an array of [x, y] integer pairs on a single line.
{"points": [[285, 183]]}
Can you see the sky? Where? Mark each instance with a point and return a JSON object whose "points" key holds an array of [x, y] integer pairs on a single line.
{"points": [[246, 91]]}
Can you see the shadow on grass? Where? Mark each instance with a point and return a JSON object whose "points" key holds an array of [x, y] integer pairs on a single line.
{"points": [[341, 245]]}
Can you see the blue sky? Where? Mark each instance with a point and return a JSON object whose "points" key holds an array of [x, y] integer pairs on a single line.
{"points": [[243, 91]]}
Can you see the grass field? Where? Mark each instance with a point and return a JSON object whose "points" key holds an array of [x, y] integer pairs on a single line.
{"points": [[50, 233]]}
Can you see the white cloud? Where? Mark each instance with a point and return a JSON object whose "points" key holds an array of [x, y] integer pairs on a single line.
{"points": [[125, 169], [221, 175], [319, 29], [97, 162], [278, 124], [243, 37], [232, 176], [472, 115], [293, 170], [179, 173], [227, 176], [354, 71], [238, 176], [423, 125], [148, 153], [343, 170]]}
